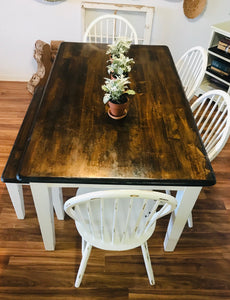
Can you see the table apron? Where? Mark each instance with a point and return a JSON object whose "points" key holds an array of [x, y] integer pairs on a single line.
{"points": [[117, 186]]}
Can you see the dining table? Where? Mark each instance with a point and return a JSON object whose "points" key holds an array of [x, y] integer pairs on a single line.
{"points": [[75, 143]]}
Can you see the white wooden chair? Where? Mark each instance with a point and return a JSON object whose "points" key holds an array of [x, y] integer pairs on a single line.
{"points": [[212, 115], [191, 68], [107, 28], [117, 220]]}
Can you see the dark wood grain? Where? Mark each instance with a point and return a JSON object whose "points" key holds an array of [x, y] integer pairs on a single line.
{"points": [[74, 140], [198, 269]]}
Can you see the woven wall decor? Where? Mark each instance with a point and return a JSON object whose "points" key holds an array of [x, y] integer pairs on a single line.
{"points": [[193, 8]]}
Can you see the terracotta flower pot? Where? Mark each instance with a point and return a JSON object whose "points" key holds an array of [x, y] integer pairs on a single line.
{"points": [[117, 111]]}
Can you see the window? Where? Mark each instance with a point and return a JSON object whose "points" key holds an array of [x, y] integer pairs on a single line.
{"points": [[141, 17]]}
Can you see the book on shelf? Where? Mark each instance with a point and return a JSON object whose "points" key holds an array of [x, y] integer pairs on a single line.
{"points": [[219, 74], [221, 66], [226, 49], [218, 84], [219, 71], [224, 45]]}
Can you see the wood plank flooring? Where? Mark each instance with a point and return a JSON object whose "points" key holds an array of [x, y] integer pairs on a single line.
{"points": [[198, 269]]}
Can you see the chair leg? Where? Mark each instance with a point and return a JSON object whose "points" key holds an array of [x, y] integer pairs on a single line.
{"points": [[83, 244], [83, 264], [148, 266], [190, 221]]}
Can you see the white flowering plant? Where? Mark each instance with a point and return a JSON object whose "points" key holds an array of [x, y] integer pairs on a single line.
{"points": [[120, 65], [116, 90], [120, 46]]}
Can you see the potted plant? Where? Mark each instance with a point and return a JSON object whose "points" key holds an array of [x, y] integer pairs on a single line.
{"points": [[120, 46], [120, 65], [116, 92]]}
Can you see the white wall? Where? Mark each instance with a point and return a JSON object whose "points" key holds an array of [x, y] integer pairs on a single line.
{"points": [[22, 22]]}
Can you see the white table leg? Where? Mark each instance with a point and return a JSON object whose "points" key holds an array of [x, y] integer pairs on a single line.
{"points": [[16, 195], [57, 198], [186, 199], [44, 208]]}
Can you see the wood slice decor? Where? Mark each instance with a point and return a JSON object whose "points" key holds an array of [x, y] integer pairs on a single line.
{"points": [[42, 56], [54, 45], [193, 8]]}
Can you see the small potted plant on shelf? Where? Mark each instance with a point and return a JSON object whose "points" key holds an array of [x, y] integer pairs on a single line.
{"points": [[116, 95], [120, 46], [120, 65]]}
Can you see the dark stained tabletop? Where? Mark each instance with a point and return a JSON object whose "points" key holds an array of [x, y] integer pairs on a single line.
{"points": [[75, 141]]}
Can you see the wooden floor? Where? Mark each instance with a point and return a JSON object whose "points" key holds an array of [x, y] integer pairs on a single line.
{"points": [[198, 269]]}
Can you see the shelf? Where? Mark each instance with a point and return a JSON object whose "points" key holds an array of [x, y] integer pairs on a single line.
{"points": [[222, 28], [223, 79], [213, 79], [219, 53]]}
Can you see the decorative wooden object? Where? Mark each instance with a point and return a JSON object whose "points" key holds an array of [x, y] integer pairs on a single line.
{"points": [[42, 55], [54, 45], [194, 8]]}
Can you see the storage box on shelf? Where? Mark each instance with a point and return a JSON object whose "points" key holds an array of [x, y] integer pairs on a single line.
{"points": [[217, 75]]}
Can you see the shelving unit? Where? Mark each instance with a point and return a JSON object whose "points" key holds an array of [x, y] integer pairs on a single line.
{"points": [[213, 80]]}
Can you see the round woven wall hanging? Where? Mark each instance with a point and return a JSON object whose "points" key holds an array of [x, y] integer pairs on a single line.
{"points": [[193, 8]]}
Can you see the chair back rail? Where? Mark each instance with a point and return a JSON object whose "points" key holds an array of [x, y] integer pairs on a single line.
{"points": [[191, 68], [107, 28], [118, 220], [212, 115]]}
